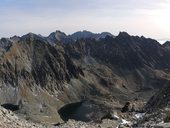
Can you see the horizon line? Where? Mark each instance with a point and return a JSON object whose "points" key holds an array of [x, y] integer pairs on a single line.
{"points": [[160, 40]]}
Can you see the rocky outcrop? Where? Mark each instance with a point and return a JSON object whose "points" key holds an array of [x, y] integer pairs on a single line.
{"points": [[133, 106]]}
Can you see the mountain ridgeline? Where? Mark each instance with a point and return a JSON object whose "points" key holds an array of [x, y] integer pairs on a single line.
{"points": [[43, 74]]}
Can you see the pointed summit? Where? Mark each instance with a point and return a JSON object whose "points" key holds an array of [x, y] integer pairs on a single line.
{"points": [[56, 36], [123, 34]]}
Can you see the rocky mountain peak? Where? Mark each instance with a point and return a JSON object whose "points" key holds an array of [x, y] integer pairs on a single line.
{"points": [[29, 36], [166, 45], [87, 34], [104, 34], [15, 38], [32, 37], [58, 36], [123, 34], [123, 37], [82, 34]]}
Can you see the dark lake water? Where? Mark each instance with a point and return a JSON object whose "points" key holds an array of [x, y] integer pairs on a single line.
{"points": [[81, 111]]}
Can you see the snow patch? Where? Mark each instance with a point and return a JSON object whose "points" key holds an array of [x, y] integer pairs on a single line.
{"points": [[139, 115], [125, 121], [115, 117]]}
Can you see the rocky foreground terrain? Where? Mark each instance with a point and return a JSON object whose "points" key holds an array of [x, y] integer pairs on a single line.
{"points": [[83, 77], [8, 119]]}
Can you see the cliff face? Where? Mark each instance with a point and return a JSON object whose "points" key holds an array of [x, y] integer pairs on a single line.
{"points": [[42, 74]]}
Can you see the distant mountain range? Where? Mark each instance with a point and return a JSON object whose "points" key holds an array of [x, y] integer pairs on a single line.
{"points": [[59, 36]]}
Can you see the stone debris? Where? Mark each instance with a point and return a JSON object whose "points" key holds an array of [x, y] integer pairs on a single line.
{"points": [[9, 120], [106, 123]]}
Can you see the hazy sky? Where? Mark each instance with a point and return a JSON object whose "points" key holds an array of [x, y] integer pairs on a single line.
{"points": [[150, 18]]}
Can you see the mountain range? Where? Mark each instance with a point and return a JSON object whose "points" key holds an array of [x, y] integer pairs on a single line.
{"points": [[43, 75]]}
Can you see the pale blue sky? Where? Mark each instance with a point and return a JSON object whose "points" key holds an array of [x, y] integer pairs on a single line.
{"points": [[150, 18]]}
